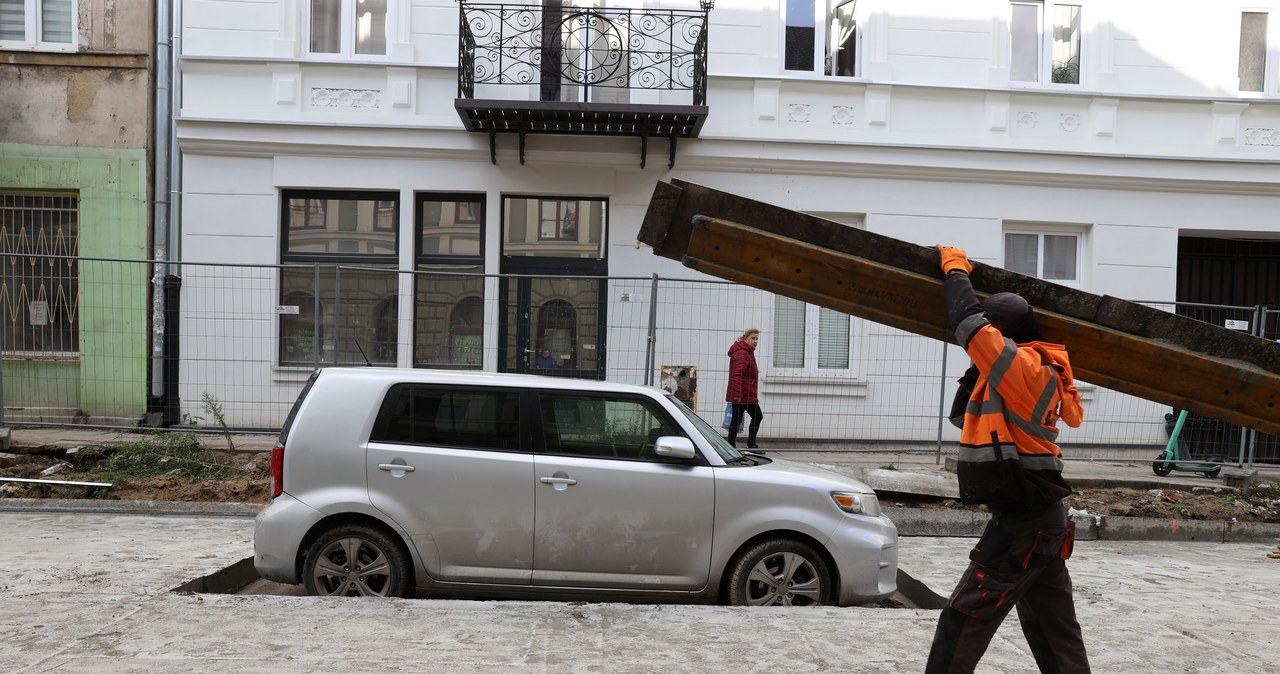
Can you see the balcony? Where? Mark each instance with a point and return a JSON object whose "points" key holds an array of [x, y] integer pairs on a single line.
{"points": [[556, 69]]}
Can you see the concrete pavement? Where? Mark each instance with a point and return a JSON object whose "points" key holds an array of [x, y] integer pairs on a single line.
{"points": [[90, 593]]}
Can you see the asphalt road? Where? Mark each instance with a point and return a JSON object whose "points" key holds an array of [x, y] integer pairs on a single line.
{"points": [[91, 593]]}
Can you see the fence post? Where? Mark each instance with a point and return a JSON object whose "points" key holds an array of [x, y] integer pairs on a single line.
{"points": [[650, 354], [942, 405], [4, 431], [315, 319]]}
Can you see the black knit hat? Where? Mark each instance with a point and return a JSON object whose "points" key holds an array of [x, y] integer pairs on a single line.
{"points": [[1012, 316]]}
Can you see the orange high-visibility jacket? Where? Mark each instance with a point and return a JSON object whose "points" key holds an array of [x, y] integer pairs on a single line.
{"points": [[1008, 455]]}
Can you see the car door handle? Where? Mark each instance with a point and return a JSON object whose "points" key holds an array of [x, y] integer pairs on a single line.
{"points": [[396, 466], [557, 480]]}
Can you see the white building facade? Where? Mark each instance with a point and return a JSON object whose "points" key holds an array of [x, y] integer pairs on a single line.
{"points": [[1077, 141]]}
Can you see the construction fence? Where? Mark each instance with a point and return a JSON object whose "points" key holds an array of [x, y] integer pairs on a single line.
{"points": [[120, 343]]}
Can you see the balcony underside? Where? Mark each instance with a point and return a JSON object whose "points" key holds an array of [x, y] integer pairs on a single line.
{"points": [[581, 119]]}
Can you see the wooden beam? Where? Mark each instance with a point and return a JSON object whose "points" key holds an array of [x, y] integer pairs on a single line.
{"points": [[1120, 345]]}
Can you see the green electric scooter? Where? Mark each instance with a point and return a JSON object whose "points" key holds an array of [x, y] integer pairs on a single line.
{"points": [[1169, 460]]}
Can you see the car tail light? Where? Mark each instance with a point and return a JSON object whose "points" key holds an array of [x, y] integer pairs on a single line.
{"points": [[853, 502], [277, 470]]}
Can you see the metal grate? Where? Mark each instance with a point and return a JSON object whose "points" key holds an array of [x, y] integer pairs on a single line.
{"points": [[39, 274]]}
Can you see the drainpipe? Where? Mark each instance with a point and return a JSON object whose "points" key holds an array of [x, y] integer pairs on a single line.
{"points": [[165, 214]]}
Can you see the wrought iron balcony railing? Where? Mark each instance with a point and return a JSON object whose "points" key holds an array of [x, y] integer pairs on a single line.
{"points": [[559, 68]]}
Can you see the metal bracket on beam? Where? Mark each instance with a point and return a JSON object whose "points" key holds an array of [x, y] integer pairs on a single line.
{"points": [[671, 162], [522, 134], [493, 147], [644, 148]]}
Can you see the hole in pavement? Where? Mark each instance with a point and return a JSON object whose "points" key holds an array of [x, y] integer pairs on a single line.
{"points": [[242, 578]]}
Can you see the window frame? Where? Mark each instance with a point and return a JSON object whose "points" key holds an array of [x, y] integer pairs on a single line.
{"points": [[426, 264], [290, 261], [33, 20], [1040, 232], [823, 47], [812, 345], [346, 32], [71, 281], [1044, 44]]}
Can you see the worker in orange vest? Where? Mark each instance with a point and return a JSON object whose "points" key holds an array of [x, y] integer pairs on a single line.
{"points": [[1011, 400]]}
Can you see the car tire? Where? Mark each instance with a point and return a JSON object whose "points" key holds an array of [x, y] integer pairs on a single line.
{"points": [[779, 572], [380, 567]]}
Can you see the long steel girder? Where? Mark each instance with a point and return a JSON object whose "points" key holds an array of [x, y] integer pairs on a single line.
{"points": [[1113, 343]]}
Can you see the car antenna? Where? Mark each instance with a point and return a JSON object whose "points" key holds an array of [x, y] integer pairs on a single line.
{"points": [[366, 358]]}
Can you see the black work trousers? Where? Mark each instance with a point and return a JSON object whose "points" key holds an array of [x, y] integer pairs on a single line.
{"points": [[757, 415], [1019, 561]]}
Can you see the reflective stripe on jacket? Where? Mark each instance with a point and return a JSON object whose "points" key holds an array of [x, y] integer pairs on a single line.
{"points": [[1021, 393]]}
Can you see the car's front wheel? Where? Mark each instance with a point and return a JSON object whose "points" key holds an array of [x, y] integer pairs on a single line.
{"points": [[355, 560], [779, 572]]}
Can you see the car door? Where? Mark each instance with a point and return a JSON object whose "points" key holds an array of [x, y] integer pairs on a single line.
{"points": [[446, 464], [610, 512]]}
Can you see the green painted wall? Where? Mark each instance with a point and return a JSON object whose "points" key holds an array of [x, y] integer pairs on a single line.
{"points": [[110, 380]]}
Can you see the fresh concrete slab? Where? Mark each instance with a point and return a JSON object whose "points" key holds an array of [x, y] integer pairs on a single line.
{"points": [[90, 593]]}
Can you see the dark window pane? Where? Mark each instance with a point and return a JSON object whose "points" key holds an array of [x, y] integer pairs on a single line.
{"points": [[451, 418]]}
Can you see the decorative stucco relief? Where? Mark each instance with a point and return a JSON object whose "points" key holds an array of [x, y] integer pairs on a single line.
{"points": [[1069, 122], [798, 112], [324, 97], [842, 114], [1028, 120], [1260, 136]]}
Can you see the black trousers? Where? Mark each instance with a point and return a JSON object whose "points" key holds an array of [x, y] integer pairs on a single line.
{"points": [[1018, 562], [757, 415]]}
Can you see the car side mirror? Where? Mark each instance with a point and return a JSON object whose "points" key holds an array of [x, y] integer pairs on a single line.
{"points": [[674, 447]]}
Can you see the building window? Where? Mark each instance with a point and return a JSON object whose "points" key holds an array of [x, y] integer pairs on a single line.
{"points": [[38, 24], [1253, 51], [342, 316], [808, 337], [449, 281], [39, 273], [554, 227], [1049, 256], [826, 27], [1044, 42], [348, 27]]}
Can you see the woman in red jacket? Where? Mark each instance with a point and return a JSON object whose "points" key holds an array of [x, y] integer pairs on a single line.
{"points": [[743, 389]]}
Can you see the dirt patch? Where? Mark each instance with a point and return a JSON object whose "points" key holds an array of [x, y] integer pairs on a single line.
{"points": [[1194, 503], [236, 477]]}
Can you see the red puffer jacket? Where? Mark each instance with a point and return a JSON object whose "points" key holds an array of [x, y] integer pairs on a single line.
{"points": [[743, 374]]}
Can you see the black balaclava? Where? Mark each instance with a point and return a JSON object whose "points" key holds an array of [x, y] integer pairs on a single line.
{"points": [[1012, 316]]}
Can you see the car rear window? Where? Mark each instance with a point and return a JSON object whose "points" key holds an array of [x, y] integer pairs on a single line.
{"points": [[450, 417]]}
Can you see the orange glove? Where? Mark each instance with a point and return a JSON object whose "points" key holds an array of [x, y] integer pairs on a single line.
{"points": [[953, 259]]}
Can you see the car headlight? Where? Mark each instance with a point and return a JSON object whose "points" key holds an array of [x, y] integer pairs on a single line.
{"points": [[857, 503]]}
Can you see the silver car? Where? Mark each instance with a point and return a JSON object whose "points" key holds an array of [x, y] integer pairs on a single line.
{"points": [[387, 482]]}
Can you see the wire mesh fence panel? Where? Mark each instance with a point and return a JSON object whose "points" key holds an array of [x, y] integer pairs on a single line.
{"points": [[74, 344], [77, 348], [230, 359]]}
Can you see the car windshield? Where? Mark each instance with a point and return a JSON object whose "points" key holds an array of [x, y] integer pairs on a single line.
{"points": [[722, 446]]}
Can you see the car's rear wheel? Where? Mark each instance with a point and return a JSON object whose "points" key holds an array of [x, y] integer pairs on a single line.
{"points": [[780, 572], [354, 560]]}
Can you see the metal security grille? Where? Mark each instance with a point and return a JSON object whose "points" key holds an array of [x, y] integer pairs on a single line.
{"points": [[39, 274]]}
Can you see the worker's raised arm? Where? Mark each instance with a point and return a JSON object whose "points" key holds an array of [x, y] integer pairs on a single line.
{"points": [[962, 302]]}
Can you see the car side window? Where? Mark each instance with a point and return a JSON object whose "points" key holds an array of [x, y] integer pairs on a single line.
{"points": [[603, 426], [450, 417]]}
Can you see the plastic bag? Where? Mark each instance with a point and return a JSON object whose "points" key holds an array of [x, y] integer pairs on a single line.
{"points": [[728, 417]]}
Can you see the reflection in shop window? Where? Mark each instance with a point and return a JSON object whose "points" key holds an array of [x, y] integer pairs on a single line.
{"points": [[350, 238], [449, 316], [559, 227]]}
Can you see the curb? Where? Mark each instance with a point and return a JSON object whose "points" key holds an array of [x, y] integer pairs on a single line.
{"points": [[910, 521], [59, 505], [970, 523]]}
